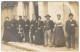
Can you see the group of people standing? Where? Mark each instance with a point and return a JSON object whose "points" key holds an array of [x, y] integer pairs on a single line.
{"points": [[47, 33]]}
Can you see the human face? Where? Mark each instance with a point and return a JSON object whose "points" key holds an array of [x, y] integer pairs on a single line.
{"points": [[34, 17], [58, 17], [47, 18], [20, 17], [39, 19], [7, 19], [71, 17]]}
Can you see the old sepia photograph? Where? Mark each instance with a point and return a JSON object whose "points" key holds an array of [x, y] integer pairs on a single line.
{"points": [[39, 26]]}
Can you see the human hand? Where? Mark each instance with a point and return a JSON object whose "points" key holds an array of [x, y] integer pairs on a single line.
{"points": [[72, 24], [39, 28], [26, 25]]}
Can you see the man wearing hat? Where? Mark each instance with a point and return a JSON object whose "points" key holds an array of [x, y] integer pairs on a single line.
{"points": [[26, 29], [21, 22], [14, 29], [70, 30], [48, 28]]}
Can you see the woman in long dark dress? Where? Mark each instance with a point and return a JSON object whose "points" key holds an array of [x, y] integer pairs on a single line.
{"points": [[40, 35], [59, 33], [7, 30], [14, 32]]}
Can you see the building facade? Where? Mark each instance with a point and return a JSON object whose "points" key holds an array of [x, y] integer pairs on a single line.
{"points": [[41, 9]]}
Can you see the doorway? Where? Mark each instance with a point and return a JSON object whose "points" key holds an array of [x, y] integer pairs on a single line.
{"points": [[36, 9]]}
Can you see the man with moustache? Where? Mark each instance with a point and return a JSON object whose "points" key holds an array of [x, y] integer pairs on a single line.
{"points": [[26, 29], [33, 28], [21, 23], [70, 30], [14, 29], [48, 28]]}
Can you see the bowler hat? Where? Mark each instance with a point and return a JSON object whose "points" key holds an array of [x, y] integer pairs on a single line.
{"points": [[47, 16], [20, 16], [58, 15], [70, 14], [6, 17]]}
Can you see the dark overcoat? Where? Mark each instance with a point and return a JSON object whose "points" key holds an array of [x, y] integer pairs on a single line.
{"points": [[50, 24], [7, 32], [33, 26], [26, 30], [33, 29], [21, 22], [40, 33], [27, 26], [14, 30], [70, 29]]}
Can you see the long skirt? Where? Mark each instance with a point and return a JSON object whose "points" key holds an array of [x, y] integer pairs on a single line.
{"points": [[10, 36], [6, 36], [14, 36], [26, 36], [59, 37], [39, 38]]}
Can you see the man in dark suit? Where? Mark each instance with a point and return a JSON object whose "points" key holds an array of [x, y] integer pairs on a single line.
{"points": [[21, 22], [26, 28], [14, 29], [33, 28], [48, 27], [70, 29]]}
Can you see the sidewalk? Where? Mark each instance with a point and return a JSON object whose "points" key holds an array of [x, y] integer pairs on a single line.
{"points": [[33, 47]]}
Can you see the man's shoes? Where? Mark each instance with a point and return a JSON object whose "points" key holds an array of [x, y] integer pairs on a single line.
{"points": [[44, 45], [69, 47], [73, 48], [50, 46]]}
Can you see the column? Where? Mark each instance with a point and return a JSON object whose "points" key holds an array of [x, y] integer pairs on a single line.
{"points": [[31, 10], [20, 9], [27, 10], [42, 9]]}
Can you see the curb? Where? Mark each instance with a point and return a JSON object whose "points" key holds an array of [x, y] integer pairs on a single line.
{"points": [[18, 47]]}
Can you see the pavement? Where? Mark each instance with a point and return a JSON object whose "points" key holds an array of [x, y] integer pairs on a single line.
{"points": [[32, 47], [7, 48]]}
